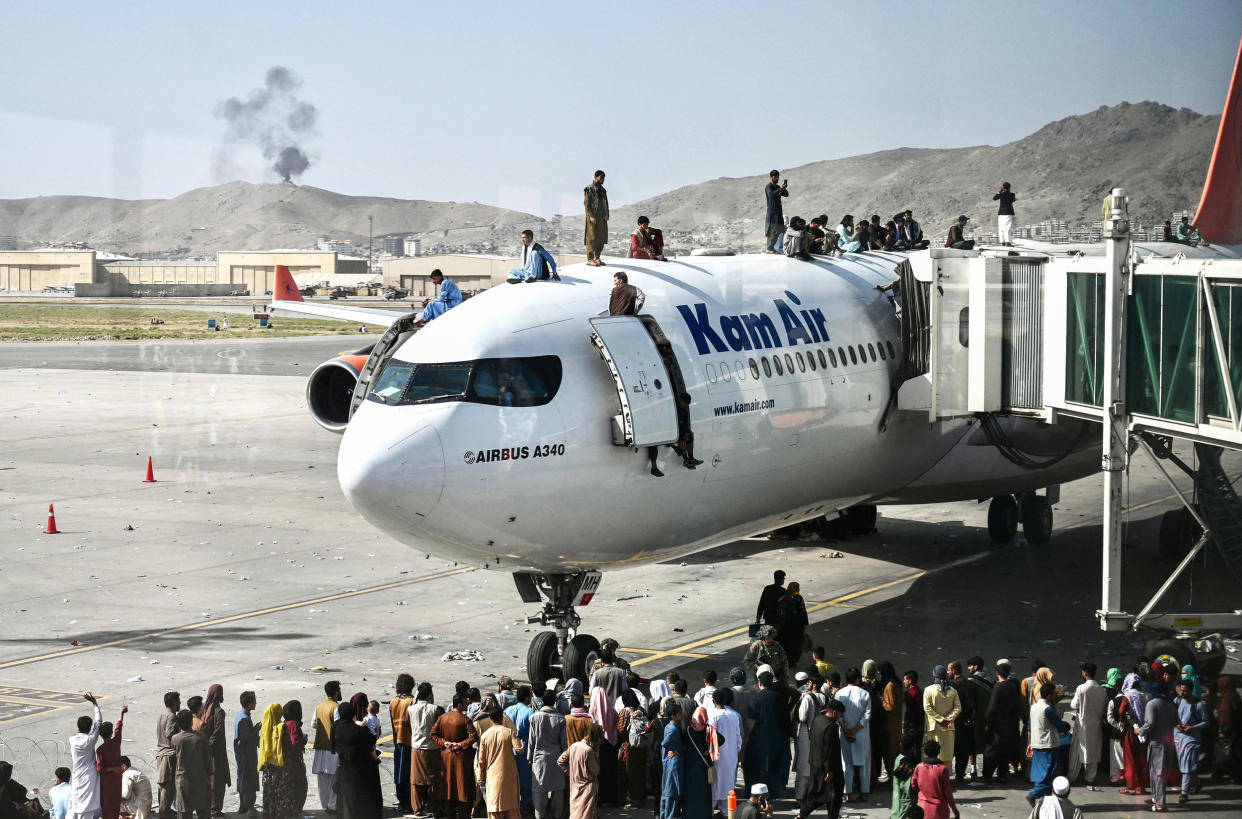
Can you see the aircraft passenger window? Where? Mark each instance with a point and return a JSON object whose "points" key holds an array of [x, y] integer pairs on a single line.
{"points": [[810, 360], [391, 382], [725, 372], [841, 355], [871, 350], [711, 373], [776, 362], [740, 369], [823, 362], [891, 351], [767, 368], [853, 357], [754, 370], [789, 363], [880, 346]]}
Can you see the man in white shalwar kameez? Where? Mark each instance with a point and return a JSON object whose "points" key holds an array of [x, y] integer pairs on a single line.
{"points": [[1090, 703], [809, 706], [84, 777], [728, 725], [856, 732]]}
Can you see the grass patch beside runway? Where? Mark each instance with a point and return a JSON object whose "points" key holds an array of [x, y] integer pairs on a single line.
{"points": [[86, 323]]}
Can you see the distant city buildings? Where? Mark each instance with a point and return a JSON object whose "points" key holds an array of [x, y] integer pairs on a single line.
{"points": [[335, 245]]}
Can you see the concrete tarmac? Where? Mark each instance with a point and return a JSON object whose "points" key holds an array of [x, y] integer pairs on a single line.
{"points": [[244, 565]]}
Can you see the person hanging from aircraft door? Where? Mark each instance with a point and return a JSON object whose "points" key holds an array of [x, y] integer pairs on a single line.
{"points": [[449, 297]]}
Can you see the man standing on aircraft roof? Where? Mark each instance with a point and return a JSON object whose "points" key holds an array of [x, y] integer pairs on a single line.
{"points": [[1004, 215], [775, 225], [956, 239], [647, 242], [537, 263], [450, 297], [595, 201], [769, 608]]}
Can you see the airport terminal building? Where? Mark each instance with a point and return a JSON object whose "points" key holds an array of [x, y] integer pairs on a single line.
{"points": [[234, 273]]}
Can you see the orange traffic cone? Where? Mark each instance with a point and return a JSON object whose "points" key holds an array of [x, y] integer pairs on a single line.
{"points": [[150, 478], [51, 522], [732, 803]]}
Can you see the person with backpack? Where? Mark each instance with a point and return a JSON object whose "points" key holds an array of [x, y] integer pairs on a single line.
{"points": [[636, 740], [537, 263]]}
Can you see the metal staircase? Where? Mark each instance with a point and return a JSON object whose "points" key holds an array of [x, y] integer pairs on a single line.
{"points": [[1220, 506]]}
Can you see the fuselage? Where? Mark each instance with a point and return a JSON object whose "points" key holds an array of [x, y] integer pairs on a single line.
{"points": [[789, 366]]}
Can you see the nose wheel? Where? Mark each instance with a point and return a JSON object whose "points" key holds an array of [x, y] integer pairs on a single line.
{"points": [[561, 652]]}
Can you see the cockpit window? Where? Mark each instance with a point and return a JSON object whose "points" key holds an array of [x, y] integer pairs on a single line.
{"points": [[506, 382], [433, 382], [392, 381]]}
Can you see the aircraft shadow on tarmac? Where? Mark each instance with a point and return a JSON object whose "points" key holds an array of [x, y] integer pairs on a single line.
{"points": [[1015, 602]]}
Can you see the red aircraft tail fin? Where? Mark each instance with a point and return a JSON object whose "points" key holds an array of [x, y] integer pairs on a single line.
{"points": [[285, 289], [1219, 215]]}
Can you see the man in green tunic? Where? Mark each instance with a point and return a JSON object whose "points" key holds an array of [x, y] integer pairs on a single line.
{"points": [[595, 200]]}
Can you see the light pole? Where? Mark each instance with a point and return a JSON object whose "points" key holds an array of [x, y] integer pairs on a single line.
{"points": [[370, 241]]}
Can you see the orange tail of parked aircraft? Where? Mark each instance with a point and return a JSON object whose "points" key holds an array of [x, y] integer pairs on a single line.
{"points": [[285, 289], [1219, 215]]}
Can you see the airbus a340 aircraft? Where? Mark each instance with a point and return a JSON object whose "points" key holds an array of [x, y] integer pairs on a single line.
{"points": [[512, 431]]}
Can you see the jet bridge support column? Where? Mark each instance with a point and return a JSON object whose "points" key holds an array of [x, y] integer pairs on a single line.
{"points": [[1116, 434]]}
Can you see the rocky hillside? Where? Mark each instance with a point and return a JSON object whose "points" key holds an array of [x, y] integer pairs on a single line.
{"points": [[245, 216], [1061, 171], [1160, 154]]}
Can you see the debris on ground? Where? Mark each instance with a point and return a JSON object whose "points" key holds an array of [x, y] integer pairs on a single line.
{"points": [[469, 655]]}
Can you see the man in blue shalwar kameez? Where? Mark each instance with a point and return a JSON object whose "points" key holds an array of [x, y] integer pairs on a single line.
{"points": [[537, 262], [450, 297], [672, 748], [1191, 720], [517, 718]]}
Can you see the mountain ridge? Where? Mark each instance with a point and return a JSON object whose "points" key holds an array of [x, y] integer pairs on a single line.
{"points": [[1062, 170]]}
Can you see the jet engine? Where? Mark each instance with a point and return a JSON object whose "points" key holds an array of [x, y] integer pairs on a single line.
{"points": [[330, 389]]}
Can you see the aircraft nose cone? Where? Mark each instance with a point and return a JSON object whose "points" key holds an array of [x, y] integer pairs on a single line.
{"points": [[392, 477]]}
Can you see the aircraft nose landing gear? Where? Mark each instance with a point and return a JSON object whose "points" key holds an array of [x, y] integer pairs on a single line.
{"points": [[562, 652]]}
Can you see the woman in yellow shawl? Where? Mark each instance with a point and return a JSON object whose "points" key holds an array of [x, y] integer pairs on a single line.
{"points": [[281, 748]]}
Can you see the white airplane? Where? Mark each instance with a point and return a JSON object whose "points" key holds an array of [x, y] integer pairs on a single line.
{"points": [[512, 432]]}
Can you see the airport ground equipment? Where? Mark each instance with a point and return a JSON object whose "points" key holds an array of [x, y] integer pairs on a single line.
{"points": [[1148, 348]]}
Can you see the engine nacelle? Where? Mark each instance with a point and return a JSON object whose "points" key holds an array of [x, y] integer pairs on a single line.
{"points": [[330, 390]]}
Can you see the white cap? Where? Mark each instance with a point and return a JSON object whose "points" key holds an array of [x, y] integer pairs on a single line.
{"points": [[801, 676], [759, 790], [1060, 786], [763, 668]]}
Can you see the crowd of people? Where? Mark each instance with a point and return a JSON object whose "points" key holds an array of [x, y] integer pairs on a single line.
{"points": [[773, 729]]}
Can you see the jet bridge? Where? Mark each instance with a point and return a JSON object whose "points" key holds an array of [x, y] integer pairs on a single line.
{"points": [[1151, 349]]}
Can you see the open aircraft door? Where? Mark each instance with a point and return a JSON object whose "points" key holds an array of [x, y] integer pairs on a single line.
{"points": [[648, 379]]}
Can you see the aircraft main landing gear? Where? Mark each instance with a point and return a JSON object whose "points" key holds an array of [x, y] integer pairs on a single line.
{"points": [[1033, 511], [561, 652]]}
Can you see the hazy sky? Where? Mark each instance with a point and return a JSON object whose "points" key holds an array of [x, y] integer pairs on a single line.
{"points": [[515, 104]]}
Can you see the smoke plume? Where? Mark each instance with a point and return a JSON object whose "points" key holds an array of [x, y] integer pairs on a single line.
{"points": [[274, 119]]}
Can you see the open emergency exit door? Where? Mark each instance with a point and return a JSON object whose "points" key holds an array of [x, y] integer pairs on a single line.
{"points": [[644, 384]]}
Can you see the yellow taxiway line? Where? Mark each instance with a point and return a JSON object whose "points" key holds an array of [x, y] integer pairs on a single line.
{"points": [[235, 617]]}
